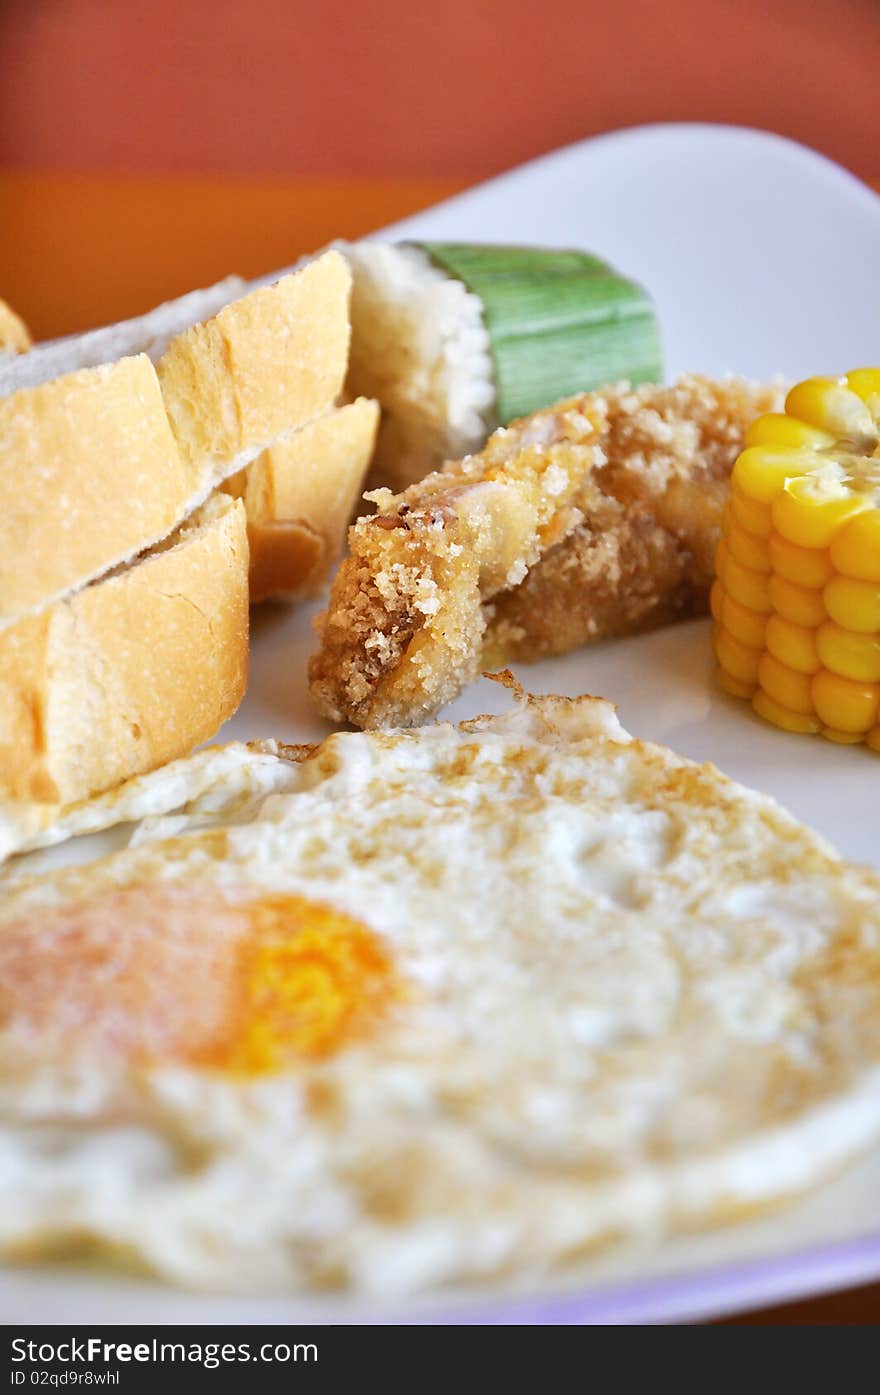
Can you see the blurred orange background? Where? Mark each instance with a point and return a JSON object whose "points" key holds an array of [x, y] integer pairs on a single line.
{"points": [[148, 145]]}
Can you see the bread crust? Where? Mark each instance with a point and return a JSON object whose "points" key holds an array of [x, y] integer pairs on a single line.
{"points": [[131, 671], [299, 496], [91, 473], [262, 366], [14, 334], [89, 476], [145, 334]]}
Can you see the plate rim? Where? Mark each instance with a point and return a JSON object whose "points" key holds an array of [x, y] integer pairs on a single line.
{"points": [[725, 131]]}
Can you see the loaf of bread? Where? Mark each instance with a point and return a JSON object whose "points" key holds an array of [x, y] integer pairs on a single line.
{"points": [[299, 496], [123, 594], [91, 471], [14, 336], [131, 671]]}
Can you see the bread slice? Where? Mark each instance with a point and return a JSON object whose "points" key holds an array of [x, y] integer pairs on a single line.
{"points": [[266, 364], [592, 518], [89, 476], [130, 672], [14, 336], [147, 334], [90, 471], [299, 496]]}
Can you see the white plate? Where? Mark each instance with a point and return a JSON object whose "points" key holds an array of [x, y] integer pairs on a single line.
{"points": [[762, 258]]}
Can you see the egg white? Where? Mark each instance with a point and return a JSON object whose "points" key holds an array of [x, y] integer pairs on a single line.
{"points": [[617, 1017]]}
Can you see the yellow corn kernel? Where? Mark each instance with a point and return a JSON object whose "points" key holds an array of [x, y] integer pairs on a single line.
{"points": [[842, 738], [806, 566], [737, 659], [865, 383], [855, 550], [783, 685], [716, 600], [830, 404], [722, 552], [873, 739], [810, 509], [744, 548], [748, 587], [746, 625], [761, 471], [801, 605], [792, 645], [844, 705], [853, 604], [733, 685], [850, 655], [781, 716], [777, 429], [754, 517]]}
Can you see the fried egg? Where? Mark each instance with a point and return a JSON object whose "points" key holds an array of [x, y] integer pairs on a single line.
{"points": [[418, 1008]]}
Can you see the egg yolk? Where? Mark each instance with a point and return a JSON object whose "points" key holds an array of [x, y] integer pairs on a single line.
{"points": [[175, 975], [302, 994]]}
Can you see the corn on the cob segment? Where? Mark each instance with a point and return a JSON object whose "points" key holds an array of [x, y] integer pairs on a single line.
{"points": [[796, 601]]}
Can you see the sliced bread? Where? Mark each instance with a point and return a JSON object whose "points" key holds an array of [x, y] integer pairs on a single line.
{"points": [[91, 471], [90, 474], [131, 671], [14, 336], [147, 334], [265, 365], [299, 496]]}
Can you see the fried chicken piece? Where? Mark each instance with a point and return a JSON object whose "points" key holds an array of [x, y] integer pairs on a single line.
{"points": [[644, 553], [594, 517]]}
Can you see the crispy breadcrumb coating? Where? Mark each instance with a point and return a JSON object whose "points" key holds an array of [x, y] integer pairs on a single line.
{"points": [[644, 553], [597, 516]]}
